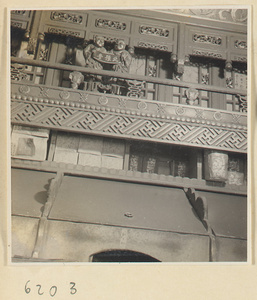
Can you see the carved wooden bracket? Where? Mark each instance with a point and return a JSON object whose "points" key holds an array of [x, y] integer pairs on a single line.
{"points": [[199, 204], [200, 207]]}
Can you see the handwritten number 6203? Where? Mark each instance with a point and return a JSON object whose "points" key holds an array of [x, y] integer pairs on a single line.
{"points": [[52, 290]]}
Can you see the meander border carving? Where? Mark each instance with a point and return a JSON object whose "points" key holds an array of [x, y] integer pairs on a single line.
{"points": [[120, 123]]}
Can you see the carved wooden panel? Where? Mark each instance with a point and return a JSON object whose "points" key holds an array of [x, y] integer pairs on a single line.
{"points": [[105, 23], [20, 18], [64, 31], [205, 42], [238, 48], [19, 24], [64, 18], [159, 36], [101, 121]]}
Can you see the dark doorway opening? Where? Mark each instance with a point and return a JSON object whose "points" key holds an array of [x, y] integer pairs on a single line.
{"points": [[122, 256]]}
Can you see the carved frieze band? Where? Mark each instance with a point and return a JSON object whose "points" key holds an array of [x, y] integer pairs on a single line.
{"points": [[121, 104], [109, 24], [103, 122], [109, 39], [66, 17], [207, 39], [206, 54], [62, 31], [155, 31], [152, 46]]}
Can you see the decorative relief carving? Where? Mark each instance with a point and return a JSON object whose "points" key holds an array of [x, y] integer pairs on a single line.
{"points": [[32, 44], [122, 102], [108, 39], [217, 116], [150, 30], [83, 97], [235, 175], [142, 105], [63, 31], [150, 165], [135, 88], [242, 103], [230, 15], [152, 46], [239, 15], [16, 24], [44, 92], [181, 168], [192, 95], [152, 71], [64, 95], [66, 17], [24, 89], [240, 58], [206, 53], [133, 163], [205, 78], [43, 54], [161, 108], [76, 79], [123, 57], [180, 111], [199, 114], [217, 166], [119, 125], [207, 39], [229, 82], [109, 24], [103, 100], [240, 44], [19, 12], [236, 118], [18, 72]]}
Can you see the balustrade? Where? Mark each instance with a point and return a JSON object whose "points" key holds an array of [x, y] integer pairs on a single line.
{"points": [[130, 85]]}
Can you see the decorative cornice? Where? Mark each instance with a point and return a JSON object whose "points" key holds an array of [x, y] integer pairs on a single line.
{"points": [[108, 121], [127, 105]]}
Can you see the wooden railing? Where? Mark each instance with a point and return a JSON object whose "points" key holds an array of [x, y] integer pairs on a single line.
{"points": [[135, 84], [161, 81]]}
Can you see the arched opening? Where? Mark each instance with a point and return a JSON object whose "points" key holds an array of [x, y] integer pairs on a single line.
{"points": [[122, 256]]}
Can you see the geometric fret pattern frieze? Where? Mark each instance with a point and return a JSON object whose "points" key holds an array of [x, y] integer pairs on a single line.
{"points": [[130, 105], [123, 125]]}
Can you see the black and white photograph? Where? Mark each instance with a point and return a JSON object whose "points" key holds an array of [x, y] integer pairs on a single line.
{"points": [[129, 135]]}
